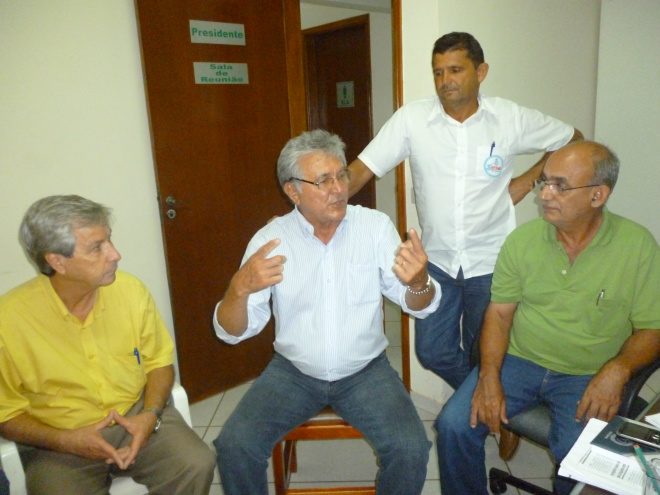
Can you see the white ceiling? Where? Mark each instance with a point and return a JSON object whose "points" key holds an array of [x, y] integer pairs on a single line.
{"points": [[384, 6]]}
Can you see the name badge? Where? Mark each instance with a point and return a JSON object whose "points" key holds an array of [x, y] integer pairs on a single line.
{"points": [[493, 165]]}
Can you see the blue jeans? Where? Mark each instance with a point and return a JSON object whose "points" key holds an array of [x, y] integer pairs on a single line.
{"points": [[438, 336], [372, 400], [461, 453], [4, 483]]}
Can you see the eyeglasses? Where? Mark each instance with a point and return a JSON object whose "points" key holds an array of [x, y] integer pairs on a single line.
{"points": [[325, 184], [539, 184]]}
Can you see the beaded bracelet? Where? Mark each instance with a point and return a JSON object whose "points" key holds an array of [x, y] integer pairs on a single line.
{"points": [[423, 291]]}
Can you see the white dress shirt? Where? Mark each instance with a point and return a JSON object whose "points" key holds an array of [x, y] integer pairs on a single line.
{"points": [[328, 308], [460, 178]]}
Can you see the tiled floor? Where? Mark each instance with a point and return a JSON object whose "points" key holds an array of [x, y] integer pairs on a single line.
{"points": [[352, 462]]}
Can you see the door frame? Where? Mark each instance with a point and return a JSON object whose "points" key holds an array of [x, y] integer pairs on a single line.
{"points": [[402, 221]]}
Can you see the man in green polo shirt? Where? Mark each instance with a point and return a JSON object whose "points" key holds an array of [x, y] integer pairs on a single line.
{"points": [[574, 312]]}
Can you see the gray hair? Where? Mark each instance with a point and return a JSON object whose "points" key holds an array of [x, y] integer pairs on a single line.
{"points": [[606, 165], [48, 226], [321, 141]]}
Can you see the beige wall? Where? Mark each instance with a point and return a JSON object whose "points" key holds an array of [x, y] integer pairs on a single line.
{"points": [[73, 121], [628, 108], [541, 54]]}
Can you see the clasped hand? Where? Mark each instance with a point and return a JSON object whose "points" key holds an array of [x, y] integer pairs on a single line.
{"points": [[88, 442]]}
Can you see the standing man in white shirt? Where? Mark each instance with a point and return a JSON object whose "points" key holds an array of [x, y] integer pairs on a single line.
{"points": [[461, 146], [325, 266]]}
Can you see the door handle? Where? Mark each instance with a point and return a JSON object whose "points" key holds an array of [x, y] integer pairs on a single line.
{"points": [[172, 201]]}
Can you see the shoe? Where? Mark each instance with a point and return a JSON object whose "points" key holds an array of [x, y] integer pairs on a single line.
{"points": [[508, 444]]}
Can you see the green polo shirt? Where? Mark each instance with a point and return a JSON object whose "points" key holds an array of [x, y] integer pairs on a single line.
{"points": [[574, 318]]}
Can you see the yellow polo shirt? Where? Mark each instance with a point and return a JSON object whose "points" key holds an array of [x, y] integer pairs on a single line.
{"points": [[69, 373]]}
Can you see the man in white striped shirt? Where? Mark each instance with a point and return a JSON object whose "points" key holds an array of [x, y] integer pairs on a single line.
{"points": [[325, 265]]}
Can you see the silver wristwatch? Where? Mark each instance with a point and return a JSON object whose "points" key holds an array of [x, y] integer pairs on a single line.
{"points": [[157, 413]]}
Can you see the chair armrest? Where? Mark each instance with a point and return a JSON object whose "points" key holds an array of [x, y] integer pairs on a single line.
{"points": [[180, 401], [634, 387], [11, 464]]}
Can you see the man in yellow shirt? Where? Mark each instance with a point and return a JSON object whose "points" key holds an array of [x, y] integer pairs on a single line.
{"points": [[86, 366]]}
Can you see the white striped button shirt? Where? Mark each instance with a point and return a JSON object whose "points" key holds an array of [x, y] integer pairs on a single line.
{"points": [[328, 308]]}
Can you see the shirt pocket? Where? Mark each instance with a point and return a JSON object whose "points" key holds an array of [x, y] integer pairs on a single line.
{"points": [[126, 375], [363, 284], [603, 315]]}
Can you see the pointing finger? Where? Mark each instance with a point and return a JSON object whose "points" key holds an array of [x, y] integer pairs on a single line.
{"points": [[414, 238], [265, 250]]}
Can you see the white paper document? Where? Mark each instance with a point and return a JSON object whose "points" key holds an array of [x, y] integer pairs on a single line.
{"points": [[602, 468], [654, 419]]}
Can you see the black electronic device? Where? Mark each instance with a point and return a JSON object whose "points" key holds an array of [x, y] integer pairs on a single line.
{"points": [[640, 433]]}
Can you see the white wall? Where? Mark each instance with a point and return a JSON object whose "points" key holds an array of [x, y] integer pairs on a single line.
{"points": [[628, 108], [541, 54], [73, 121]]}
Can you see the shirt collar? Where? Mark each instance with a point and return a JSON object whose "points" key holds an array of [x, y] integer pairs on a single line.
{"points": [[602, 237], [52, 296], [308, 230], [438, 111], [604, 234], [61, 308]]}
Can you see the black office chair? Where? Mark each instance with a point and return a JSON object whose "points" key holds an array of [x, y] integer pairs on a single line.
{"points": [[534, 425]]}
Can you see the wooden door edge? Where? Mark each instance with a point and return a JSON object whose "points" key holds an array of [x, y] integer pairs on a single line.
{"points": [[397, 84], [294, 67]]}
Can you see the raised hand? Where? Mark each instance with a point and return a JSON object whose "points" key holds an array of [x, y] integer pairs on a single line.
{"points": [[259, 271], [410, 262]]}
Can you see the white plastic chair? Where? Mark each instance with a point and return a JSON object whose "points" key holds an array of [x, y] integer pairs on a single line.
{"points": [[11, 461]]}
